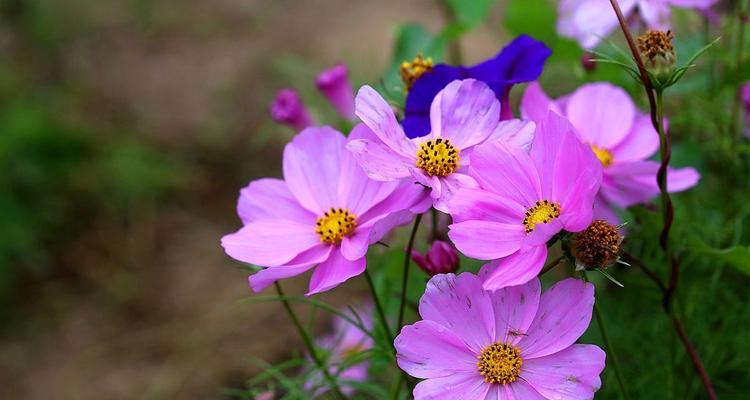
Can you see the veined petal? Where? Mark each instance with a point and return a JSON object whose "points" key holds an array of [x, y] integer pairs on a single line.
{"points": [[270, 242], [515, 132], [419, 99], [334, 271], [519, 390], [299, 265], [312, 165], [570, 374], [515, 308], [378, 116], [564, 314], [465, 112], [430, 350], [516, 269], [464, 385], [449, 185], [355, 246], [506, 170], [459, 304], [270, 198]]}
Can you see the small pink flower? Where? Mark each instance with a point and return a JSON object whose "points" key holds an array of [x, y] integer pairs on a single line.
{"points": [[441, 258], [525, 199], [287, 108], [463, 115], [325, 213], [588, 21], [334, 84], [511, 344], [622, 138], [345, 342]]}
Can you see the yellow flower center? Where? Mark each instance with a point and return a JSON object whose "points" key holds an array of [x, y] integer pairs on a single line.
{"points": [[500, 363], [334, 225], [411, 71], [542, 212], [437, 157], [603, 155]]}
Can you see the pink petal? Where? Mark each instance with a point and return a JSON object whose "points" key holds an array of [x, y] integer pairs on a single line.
{"points": [[461, 386], [334, 271], [515, 308], [570, 374], [377, 160], [459, 304], [641, 143], [270, 198], [429, 350], [564, 314], [516, 269], [515, 132], [506, 170], [464, 112], [378, 116], [265, 277], [270, 242], [480, 204], [594, 19], [355, 246], [312, 165], [656, 14], [692, 3], [635, 182], [535, 104], [602, 113], [519, 390], [487, 240], [449, 185], [602, 210]]}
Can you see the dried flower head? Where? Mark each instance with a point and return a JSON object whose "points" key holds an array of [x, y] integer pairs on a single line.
{"points": [[658, 53], [597, 246]]}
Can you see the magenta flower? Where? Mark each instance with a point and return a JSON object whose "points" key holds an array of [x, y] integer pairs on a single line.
{"points": [[511, 344], [524, 200], [325, 213], [463, 115], [334, 84], [287, 108], [745, 96], [622, 138], [588, 21], [344, 343], [441, 258]]}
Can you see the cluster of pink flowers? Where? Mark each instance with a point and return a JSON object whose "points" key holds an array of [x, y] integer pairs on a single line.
{"points": [[510, 186]]}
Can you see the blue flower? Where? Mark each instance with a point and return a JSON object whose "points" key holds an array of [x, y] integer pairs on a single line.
{"points": [[520, 61]]}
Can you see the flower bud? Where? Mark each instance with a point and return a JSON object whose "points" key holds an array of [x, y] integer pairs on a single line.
{"points": [[587, 61], [597, 246], [287, 108], [657, 53], [334, 84], [441, 258]]}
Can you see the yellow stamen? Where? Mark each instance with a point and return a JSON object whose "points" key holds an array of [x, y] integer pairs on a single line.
{"points": [[334, 225], [500, 363], [437, 157], [411, 71], [542, 212], [603, 155]]}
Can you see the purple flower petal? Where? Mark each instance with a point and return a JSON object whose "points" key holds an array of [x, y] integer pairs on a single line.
{"points": [[519, 390], [457, 386], [467, 312], [515, 308], [570, 374], [427, 349], [334, 271], [299, 265], [449, 185], [334, 84], [270, 198], [602, 113], [506, 170], [379, 117], [641, 143], [535, 104], [479, 204], [564, 314], [514, 132], [419, 99], [355, 246], [465, 112], [270, 242], [378, 160], [516, 269], [487, 240]]}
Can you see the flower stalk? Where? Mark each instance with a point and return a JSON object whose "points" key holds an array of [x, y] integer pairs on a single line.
{"points": [[405, 279]]}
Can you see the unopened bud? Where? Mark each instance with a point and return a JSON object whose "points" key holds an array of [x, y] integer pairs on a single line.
{"points": [[657, 53], [334, 84], [587, 61], [287, 108], [597, 246], [441, 258]]}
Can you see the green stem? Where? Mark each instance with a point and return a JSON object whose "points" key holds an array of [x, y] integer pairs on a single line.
{"points": [[742, 15], [405, 280], [309, 343], [379, 308], [610, 350]]}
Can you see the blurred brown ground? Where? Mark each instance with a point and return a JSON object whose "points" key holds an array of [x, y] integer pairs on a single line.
{"points": [[153, 310]]}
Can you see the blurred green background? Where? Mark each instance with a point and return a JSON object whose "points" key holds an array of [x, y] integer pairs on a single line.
{"points": [[127, 128]]}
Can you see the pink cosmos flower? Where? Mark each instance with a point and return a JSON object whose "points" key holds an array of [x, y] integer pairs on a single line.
{"points": [[287, 108], [588, 21], [525, 199], [441, 258], [511, 344], [464, 114], [334, 84], [622, 138], [325, 213], [344, 343]]}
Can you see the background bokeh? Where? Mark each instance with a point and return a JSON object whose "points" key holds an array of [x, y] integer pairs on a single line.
{"points": [[127, 128]]}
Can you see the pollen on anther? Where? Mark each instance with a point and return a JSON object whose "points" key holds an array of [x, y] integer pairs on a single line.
{"points": [[543, 212], [334, 225], [438, 157]]}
